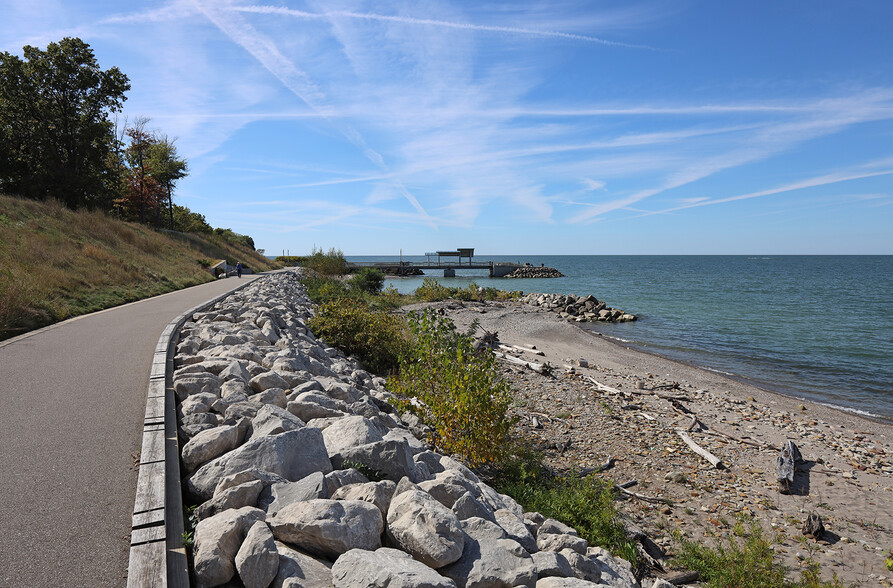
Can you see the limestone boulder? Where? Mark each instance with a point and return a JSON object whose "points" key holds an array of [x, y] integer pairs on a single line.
{"points": [[393, 459], [338, 478], [516, 529], [500, 563], [377, 493], [384, 568], [553, 582], [291, 455], [468, 507], [233, 497], [257, 560], [585, 568], [349, 432], [267, 380], [300, 570], [552, 563], [277, 496], [275, 396], [329, 527], [217, 541], [272, 420], [558, 542], [425, 529], [615, 572], [210, 444]]}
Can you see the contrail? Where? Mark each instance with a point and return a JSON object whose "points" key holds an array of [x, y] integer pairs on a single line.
{"points": [[433, 22]]}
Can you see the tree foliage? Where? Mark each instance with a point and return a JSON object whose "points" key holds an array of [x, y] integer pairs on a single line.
{"points": [[55, 134]]}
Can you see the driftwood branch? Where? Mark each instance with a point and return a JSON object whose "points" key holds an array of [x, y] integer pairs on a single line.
{"points": [[642, 496], [537, 367], [717, 463], [605, 466]]}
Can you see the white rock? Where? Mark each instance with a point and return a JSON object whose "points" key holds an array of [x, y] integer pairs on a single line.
{"points": [[377, 493], [257, 560], [329, 527], [217, 540], [210, 444], [266, 381], [272, 420], [425, 529], [348, 432], [384, 568], [292, 455], [299, 570]]}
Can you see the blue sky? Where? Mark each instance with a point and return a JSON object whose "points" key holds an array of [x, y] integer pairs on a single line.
{"points": [[684, 127]]}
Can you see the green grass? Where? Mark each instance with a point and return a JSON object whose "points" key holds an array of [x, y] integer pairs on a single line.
{"points": [[745, 560], [587, 504], [56, 263]]}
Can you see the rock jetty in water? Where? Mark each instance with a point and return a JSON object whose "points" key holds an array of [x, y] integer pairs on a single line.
{"points": [[533, 271], [579, 309], [271, 421]]}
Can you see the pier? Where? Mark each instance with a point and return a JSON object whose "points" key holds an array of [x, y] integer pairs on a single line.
{"points": [[448, 261]]}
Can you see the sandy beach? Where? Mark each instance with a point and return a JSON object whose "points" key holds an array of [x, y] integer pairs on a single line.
{"points": [[582, 416]]}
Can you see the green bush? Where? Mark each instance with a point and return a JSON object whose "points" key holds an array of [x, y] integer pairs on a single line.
{"points": [[746, 562], [369, 280], [374, 337], [322, 289], [586, 504], [461, 393], [331, 263], [432, 291]]}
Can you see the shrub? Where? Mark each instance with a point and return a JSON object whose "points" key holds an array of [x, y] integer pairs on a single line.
{"points": [[746, 562], [375, 337], [461, 394], [368, 279], [331, 263], [586, 504], [432, 291], [322, 289]]}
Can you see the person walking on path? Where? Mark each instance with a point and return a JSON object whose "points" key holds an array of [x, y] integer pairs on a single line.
{"points": [[239, 269]]}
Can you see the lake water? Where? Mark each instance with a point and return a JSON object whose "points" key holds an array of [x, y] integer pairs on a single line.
{"points": [[816, 327]]}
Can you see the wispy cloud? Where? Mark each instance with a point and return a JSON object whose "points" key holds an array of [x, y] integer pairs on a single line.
{"points": [[430, 22]]}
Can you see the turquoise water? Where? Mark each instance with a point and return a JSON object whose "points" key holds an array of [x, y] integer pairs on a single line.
{"points": [[816, 327]]}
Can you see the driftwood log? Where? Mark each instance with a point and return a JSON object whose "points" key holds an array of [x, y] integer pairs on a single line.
{"points": [[813, 527], [785, 464], [715, 461]]}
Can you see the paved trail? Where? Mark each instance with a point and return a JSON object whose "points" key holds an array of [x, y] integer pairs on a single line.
{"points": [[72, 400]]}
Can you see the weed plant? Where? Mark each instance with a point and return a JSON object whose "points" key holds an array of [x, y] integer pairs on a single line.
{"points": [[459, 392], [745, 560], [376, 338], [330, 263], [586, 504], [433, 291]]}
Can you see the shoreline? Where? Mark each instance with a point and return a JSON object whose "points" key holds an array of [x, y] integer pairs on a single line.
{"points": [[743, 380], [846, 478]]}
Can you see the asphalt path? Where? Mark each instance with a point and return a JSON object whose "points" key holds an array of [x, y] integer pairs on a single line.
{"points": [[72, 401]]}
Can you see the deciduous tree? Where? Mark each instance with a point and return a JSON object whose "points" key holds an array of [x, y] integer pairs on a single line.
{"points": [[55, 132]]}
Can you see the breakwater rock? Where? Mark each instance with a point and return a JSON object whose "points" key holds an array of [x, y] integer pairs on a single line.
{"points": [[533, 271], [305, 475], [580, 309]]}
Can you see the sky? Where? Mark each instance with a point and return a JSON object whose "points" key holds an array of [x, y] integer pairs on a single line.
{"points": [[635, 127]]}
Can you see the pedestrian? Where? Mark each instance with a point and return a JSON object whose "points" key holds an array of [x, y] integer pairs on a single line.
{"points": [[239, 269]]}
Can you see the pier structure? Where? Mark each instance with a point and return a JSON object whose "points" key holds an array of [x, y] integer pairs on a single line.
{"points": [[448, 261]]}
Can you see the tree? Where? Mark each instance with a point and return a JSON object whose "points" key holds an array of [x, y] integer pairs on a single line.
{"points": [[167, 167], [55, 132], [142, 192]]}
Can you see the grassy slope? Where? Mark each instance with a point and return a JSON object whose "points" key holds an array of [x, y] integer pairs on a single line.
{"points": [[56, 263]]}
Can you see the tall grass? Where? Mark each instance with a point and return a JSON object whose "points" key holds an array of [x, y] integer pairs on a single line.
{"points": [[56, 263]]}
